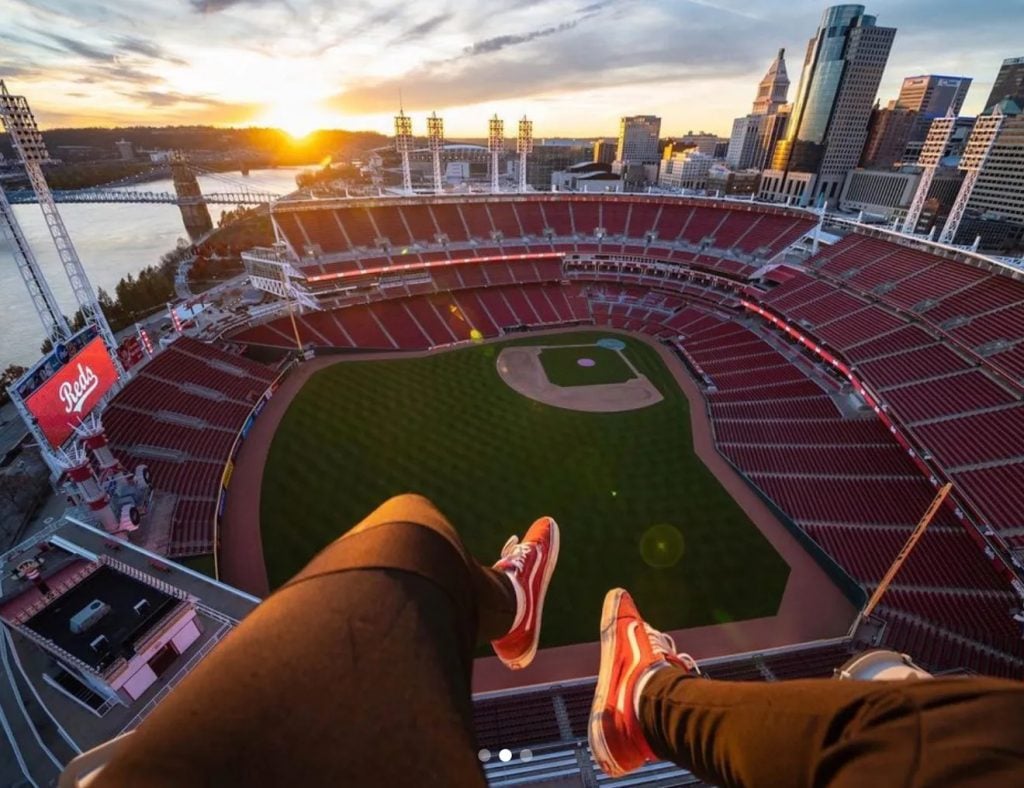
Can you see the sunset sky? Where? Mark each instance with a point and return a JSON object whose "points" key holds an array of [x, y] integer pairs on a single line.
{"points": [[574, 66]]}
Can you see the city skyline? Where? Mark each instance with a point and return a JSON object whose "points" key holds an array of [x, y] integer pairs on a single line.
{"points": [[574, 67]]}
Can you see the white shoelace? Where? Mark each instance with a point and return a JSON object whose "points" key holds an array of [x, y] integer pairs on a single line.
{"points": [[515, 552], [662, 643]]}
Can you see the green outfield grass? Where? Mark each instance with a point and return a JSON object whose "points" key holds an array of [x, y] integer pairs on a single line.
{"points": [[447, 426], [561, 365]]}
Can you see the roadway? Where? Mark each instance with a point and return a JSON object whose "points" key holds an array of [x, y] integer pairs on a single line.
{"points": [[12, 428]]}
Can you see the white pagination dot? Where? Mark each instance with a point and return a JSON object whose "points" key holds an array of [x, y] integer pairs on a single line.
{"points": [[526, 755], [505, 755], [484, 755]]}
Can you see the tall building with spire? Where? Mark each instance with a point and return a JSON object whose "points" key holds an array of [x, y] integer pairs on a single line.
{"points": [[828, 125], [773, 91], [754, 135]]}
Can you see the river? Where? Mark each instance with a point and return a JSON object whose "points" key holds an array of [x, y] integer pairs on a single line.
{"points": [[113, 240]]}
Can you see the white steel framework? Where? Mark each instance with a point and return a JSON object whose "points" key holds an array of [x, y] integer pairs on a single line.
{"points": [[979, 145], [403, 144], [524, 147], [435, 141], [495, 145], [932, 152], [28, 143], [55, 325]]}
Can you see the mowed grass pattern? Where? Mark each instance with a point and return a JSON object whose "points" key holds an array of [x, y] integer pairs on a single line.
{"points": [[561, 365], [446, 426]]}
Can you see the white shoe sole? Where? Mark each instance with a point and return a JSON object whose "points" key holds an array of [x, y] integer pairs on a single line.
{"points": [[549, 569], [598, 744]]}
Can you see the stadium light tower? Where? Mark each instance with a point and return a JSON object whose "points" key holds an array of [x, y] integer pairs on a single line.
{"points": [[55, 325], [28, 143], [931, 154], [435, 141], [979, 145], [524, 146], [403, 144], [495, 144]]}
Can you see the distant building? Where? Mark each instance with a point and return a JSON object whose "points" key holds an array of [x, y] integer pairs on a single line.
{"points": [[933, 95], [706, 144], [1009, 83], [889, 131], [460, 162], [589, 176], [828, 125], [125, 150], [550, 156], [727, 182], [998, 193], [930, 96], [638, 139], [687, 169], [889, 194], [604, 151], [754, 136], [636, 155], [954, 146]]}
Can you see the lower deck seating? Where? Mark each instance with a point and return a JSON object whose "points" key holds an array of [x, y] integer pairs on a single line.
{"points": [[180, 415]]}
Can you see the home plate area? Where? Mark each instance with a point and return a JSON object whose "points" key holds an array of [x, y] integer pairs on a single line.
{"points": [[595, 377]]}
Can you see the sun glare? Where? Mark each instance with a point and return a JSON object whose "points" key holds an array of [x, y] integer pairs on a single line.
{"points": [[298, 119]]}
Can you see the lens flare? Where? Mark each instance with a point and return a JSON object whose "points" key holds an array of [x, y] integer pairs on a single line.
{"points": [[662, 546]]}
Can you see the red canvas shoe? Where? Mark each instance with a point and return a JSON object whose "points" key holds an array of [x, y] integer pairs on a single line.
{"points": [[529, 565], [631, 650]]}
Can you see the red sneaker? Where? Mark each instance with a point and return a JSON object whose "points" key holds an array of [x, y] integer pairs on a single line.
{"points": [[529, 565], [630, 650]]}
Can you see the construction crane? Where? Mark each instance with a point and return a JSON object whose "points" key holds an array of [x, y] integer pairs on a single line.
{"points": [[28, 143], [901, 557]]}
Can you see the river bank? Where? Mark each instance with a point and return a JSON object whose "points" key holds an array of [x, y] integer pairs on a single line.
{"points": [[112, 240]]}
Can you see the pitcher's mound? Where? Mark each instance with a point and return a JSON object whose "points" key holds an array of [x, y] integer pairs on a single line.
{"points": [[522, 370]]}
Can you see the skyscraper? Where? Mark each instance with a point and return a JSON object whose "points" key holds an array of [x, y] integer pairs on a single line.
{"points": [[1009, 84], [933, 95], [773, 91], [889, 131], [754, 135], [828, 125], [636, 157], [638, 139]]}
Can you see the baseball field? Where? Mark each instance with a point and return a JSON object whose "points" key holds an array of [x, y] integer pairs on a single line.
{"points": [[636, 506]]}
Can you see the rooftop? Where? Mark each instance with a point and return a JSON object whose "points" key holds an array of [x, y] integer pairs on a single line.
{"points": [[132, 607]]}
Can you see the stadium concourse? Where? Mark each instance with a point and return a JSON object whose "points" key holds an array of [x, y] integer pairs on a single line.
{"points": [[845, 385]]}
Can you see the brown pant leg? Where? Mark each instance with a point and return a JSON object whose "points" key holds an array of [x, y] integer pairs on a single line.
{"points": [[355, 673], [817, 732], [364, 546]]}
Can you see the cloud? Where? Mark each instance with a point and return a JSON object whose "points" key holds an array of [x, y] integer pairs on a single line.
{"points": [[498, 43], [425, 28], [156, 98], [148, 49], [80, 48], [213, 6], [23, 69]]}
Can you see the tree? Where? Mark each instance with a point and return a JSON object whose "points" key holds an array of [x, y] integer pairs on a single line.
{"points": [[7, 377]]}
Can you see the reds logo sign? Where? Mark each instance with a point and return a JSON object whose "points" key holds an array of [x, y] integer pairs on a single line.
{"points": [[74, 393], [68, 397]]}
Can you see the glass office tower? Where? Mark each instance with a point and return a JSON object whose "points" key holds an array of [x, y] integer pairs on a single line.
{"points": [[828, 126]]}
